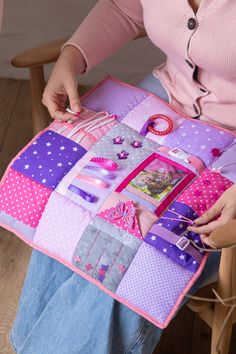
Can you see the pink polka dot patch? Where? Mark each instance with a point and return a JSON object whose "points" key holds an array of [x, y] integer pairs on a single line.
{"points": [[23, 198], [205, 191]]}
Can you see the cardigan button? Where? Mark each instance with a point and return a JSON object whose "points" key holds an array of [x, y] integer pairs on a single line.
{"points": [[192, 23]]}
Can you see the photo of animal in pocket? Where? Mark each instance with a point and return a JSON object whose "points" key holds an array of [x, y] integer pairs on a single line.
{"points": [[156, 182]]}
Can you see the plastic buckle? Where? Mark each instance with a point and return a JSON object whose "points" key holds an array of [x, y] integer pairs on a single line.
{"points": [[182, 243], [181, 154]]}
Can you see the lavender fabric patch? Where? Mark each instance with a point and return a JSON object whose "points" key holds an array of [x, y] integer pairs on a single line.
{"points": [[201, 140], [179, 228], [49, 158], [227, 163], [153, 282], [105, 252], [114, 97]]}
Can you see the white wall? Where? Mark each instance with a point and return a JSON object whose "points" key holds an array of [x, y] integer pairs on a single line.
{"points": [[28, 23]]}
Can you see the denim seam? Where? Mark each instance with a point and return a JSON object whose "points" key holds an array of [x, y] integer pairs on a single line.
{"points": [[140, 335], [12, 343]]}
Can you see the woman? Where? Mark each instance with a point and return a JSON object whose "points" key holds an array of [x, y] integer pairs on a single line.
{"points": [[59, 311]]}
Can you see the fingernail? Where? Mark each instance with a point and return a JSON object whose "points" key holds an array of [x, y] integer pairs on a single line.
{"points": [[77, 108]]}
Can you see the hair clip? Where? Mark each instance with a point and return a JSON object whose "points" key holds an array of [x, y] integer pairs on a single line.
{"points": [[105, 163], [85, 195], [106, 174], [94, 181]]}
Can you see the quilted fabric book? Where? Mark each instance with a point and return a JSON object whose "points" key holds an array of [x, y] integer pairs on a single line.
{"points": [[111, 195]]}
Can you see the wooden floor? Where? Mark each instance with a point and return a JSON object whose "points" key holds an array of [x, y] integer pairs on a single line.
{"points": [[186, 334]]}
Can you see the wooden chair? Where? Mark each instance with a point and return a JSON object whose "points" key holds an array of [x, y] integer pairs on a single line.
{"points": [[212, 313]]}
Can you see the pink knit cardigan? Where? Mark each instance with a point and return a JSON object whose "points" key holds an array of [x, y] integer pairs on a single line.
{"points": [[200, 70]]}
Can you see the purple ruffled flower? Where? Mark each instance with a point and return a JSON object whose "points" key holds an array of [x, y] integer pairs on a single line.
{"points": [[136, 144], [118, 140], [123, 155]]}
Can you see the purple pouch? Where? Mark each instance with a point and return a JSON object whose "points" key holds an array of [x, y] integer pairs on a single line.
{"points": [[173, 246], [201, 140], [226, 163]]}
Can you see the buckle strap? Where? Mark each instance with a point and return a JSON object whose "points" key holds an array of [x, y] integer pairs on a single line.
{"points": [[179, 241]]}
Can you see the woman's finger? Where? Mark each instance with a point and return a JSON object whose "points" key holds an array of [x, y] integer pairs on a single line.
{"points": [[206, 229], [210, 214], [207, 241], [63, 116], [73, 95]]}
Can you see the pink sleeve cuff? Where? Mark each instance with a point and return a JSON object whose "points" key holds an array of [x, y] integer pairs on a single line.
{"points": [[108, 27]]}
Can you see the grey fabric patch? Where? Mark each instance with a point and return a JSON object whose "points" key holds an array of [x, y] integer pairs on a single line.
{"points": [[104, 252]]}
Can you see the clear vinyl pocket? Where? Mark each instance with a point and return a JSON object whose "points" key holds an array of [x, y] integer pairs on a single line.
{"points": [[156, 182]]}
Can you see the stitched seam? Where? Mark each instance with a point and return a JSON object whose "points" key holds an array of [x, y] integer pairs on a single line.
{"points": [[137, 338], [12, 343]]}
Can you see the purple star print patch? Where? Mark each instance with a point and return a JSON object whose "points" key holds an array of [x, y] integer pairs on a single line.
{"points": [[179, 228], [49, 158]]}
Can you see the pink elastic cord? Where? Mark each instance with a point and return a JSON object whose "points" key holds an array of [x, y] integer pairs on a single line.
{"points": [[182, 217], [182, 220]]}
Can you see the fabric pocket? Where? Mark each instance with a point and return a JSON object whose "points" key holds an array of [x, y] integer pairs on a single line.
{"points": [[156, 182], [104, 252], [130, 216], [204, 141], [226, 164], [170, 236]]}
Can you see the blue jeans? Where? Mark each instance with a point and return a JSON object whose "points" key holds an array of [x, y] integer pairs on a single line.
{"points": [[61, 312]]}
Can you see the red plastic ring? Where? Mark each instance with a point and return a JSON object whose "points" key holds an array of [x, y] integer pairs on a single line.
{"points": [[168, 130]]}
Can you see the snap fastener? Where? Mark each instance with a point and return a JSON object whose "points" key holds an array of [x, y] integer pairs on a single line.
{"points": [[192, 23]]}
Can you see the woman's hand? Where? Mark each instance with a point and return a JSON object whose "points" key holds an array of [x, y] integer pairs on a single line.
{"points": [[63, 83], [221, 213], [223, 236]]}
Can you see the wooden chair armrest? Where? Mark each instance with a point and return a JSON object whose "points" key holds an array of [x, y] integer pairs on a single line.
{"points": [[39, 56]]}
